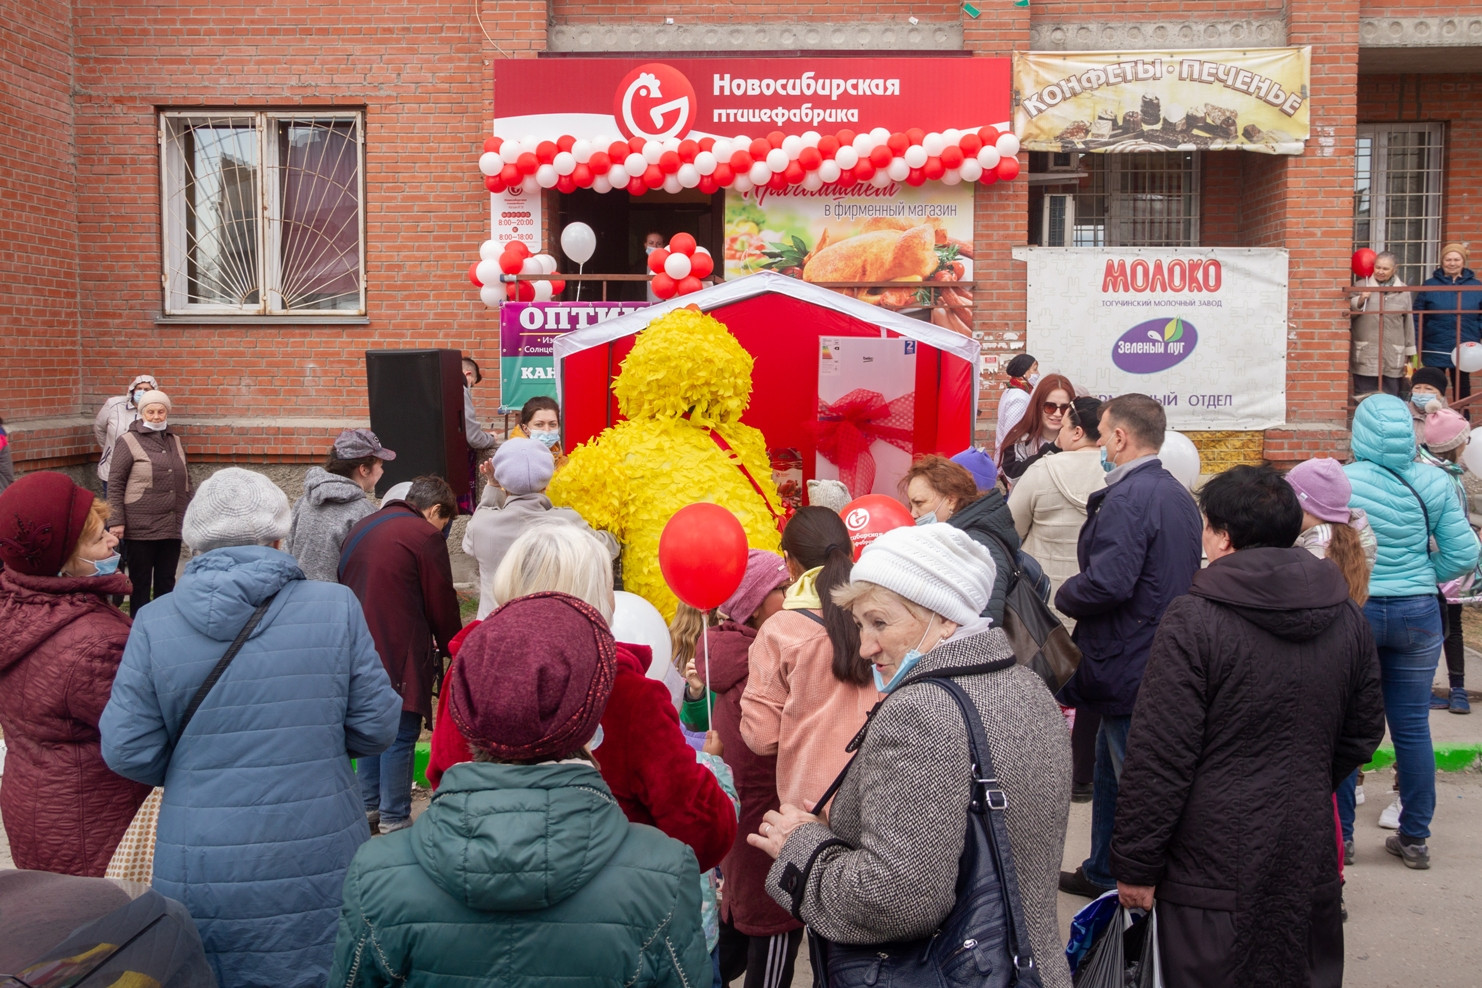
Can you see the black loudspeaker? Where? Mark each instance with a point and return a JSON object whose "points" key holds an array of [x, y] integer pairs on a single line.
{"points": [[416, 410]]}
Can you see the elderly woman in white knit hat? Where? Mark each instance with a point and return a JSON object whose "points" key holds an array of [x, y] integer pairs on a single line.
{"points": [[245, 693], [876, 877]]}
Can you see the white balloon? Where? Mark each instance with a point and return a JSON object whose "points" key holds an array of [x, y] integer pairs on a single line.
{"points": [[509, 151], [846, 157], [652, 151], [863, 144], [582, 150], [578, 241], [488, 272], [602, 185], [529, 186], [1468, 357], [897, 170], [548, 263], [811, 138], [617, 176], [688, 175], [542, 291], [722, 151], [971, 171], [545, 176], [701, 250], [1471, 456], [777, 159], [952, 176], [988, 157], [601, 142], [529, 142], [1180, 458], [705, 163], [677, 265], [637, 622], [951, 135], [880, 179], [671, 184], [742, 184], [828, 171], [760, 173], [564, 162], [669, 144], [492, 295], [489, 250], [1007, 145], [490, 163], [739, 143], [792, 146], [915, 156], [635, 164], [879, 135], [933, 144], [812, 181], [531, 265]]}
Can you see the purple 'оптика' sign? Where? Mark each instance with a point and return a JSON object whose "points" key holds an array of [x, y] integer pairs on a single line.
{"points": [[527, 333], [1155, 345]]}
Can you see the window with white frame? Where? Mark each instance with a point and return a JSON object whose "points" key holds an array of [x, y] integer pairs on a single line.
{"points": [[1138, 199], [263, 213], [1397, 194]]}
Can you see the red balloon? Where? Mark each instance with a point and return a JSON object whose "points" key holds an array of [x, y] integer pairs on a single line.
{"points": [[724, 174], [1363, 262], [688, 285], [897, 143], [865, 170], [688, 149], [510, 175], [618, 151], [915, 135], [669, 162], [828, 146], [702, 554], [600, 162], [636, 186], [934, 168], [653, 177], [843, 137], [635, 145], [916, 177], [582, 176], [971, 144], [681, 243], [558, 285], [527, 163], [493, 144], [565, 142], [867, 518], [510, 262], [519, 248], [494, 183], [565, 184], [988, 135], [656, 260], [793, 173], [741, 161], [707, 143], [776, 138], [952, 156], [1008, 169], [759, 148], [473, 275], [545, 152], [701, 265], [847, 176], [708, 185], [512, 291], [810, 158], [663, 285], [989, 176], [778, 182], [527, 291], [880, 156]]}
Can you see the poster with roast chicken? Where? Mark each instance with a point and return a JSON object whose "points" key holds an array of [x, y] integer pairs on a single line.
{"points": [[915, 244]]}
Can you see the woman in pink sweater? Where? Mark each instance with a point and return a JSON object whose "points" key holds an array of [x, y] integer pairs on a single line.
{"points": [[809, 691]]}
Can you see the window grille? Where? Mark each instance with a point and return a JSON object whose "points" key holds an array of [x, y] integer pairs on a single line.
{"points": [[263, 213], [1141, 199], [1397, 194]]}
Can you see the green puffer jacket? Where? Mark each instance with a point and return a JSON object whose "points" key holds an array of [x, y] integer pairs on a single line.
{"points": [[522, 875]]}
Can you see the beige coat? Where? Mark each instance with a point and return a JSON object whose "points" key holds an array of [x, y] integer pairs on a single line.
{"points": [[1397, 331], [1049, 507]]}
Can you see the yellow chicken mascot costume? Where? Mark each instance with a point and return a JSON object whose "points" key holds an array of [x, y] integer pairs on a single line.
{"points": [[682, 390]]}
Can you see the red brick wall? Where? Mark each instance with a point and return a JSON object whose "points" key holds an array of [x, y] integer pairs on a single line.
{"points": [[750, 11], [38, 216]]}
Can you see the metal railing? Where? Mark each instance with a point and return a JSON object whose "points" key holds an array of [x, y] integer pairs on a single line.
{"points": [[1418, 316]]}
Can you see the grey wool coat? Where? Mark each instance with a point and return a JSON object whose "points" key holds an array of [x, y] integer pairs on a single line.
{"points": [[330, 507], [902, 809]]}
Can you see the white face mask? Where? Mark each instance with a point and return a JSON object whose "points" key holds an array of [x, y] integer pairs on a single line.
{"points": [[156, 426], [1033, 379]]}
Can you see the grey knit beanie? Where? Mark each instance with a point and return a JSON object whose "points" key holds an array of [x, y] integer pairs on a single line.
{"points": [[236, 507], [935, 565]]}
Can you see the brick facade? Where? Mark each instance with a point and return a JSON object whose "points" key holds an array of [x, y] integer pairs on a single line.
{"points": [[80, 235]]}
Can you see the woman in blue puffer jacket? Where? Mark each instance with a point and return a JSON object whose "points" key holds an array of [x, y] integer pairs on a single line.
{"points": [[1424, 539], [261, 814], [1440, 326]]}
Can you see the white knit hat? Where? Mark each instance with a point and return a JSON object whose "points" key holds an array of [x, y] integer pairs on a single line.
{"points": [[937, 566], [236, 507]]}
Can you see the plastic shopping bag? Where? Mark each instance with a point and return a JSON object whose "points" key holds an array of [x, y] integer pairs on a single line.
{"points": [[1125, 952], [1087, 926]]}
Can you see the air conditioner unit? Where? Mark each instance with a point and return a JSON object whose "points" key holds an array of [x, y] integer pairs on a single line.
{"points": [[1058, 221], [1063, 161]]}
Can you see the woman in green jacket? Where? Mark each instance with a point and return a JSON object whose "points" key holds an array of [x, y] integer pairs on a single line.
{"points": [[524, 868]]}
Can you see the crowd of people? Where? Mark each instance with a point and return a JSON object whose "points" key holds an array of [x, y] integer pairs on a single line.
{"points": [[859, 756]]}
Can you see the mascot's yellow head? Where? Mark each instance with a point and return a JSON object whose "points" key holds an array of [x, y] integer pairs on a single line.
{"points": [[685, 361]]}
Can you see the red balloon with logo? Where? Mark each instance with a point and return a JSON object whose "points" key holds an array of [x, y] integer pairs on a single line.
{"points": [[702, 554], [866, 518], [1363, 262]]}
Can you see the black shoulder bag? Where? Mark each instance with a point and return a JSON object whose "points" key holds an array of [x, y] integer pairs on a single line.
{"points": [[216, 673], [982, 942], [1036, 635]]}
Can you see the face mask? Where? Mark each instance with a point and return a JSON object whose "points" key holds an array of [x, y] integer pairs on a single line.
{"points": [[907, 664], [596, 741], [1033, 379], [929, 518], [649, 250], [1106, 464], [156, 426], [1420, 401], [107, 567], [547, 439], [139, 395]]}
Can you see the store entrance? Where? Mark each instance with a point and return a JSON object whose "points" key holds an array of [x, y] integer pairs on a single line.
{"points": [[621, 221]]}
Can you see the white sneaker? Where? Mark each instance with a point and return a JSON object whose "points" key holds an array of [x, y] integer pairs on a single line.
{"points": [[1358, 795], [1390, 818]]}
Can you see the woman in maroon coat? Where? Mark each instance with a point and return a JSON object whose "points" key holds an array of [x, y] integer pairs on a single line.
{"points": [[64, 810]]}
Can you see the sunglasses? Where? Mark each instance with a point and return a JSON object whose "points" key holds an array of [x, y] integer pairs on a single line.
{"points": [[1057, 406]]}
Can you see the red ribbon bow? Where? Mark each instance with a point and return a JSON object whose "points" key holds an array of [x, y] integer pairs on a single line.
{"points": [[847, 429]]}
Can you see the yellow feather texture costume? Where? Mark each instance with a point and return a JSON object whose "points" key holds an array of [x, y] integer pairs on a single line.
{"points": [[633, 477]]}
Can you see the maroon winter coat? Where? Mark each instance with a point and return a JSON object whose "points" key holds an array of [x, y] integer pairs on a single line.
{"points": [[64, 810], [401, 573], [745, 903]]}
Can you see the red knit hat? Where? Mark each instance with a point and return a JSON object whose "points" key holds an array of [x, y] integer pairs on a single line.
{"points": [[41, 519], [531, 682]]}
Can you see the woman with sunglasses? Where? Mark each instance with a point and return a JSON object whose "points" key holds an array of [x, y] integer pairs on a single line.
{"points": [[1034, 435]]}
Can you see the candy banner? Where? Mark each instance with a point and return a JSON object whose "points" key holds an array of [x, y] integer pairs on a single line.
{"points": [[527, 332]]}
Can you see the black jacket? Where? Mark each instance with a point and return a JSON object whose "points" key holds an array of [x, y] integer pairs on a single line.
{"points": [[983, 519], [1261, 693], [1138, 550]]}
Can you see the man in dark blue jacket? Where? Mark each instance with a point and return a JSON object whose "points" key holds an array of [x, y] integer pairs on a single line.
{"points": [[1138, 550]]}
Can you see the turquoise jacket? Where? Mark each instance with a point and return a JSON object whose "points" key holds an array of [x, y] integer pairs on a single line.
{"points": [[1384, 451], [522, 876]]}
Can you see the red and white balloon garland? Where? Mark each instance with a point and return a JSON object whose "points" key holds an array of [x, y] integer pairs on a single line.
{"points": [[679, 268], [513, 258], [777, 161]]}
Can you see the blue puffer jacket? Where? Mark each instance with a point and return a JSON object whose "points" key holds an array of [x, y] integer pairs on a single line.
{"points": [[261, 815], [1383, 446], [1438, 329]]}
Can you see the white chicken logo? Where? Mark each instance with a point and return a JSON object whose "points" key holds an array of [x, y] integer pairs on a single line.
{"points": [[648, 89]]}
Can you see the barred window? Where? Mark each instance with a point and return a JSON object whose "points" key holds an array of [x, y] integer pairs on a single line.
{"points": [[263, 213], [1397, 194], [1138, 199]]}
